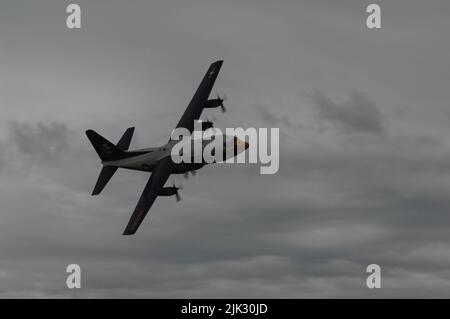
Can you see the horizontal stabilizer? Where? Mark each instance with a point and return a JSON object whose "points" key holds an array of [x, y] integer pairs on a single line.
{"points": [[105, 175], [108, 152]]}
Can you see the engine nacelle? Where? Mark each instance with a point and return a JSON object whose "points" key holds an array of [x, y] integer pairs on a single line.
{"points": [[213, 103], [168, 191]]}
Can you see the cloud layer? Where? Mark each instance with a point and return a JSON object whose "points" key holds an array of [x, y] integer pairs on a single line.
{"points": [[364, 170]]}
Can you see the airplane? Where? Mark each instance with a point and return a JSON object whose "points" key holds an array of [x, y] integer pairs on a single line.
{"points": [[158, 160]]}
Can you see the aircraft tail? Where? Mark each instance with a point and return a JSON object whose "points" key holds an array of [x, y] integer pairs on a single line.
{"points": [[108, 152]]}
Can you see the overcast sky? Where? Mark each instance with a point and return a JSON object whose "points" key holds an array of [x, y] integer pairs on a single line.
{"points": [[364, 124]]}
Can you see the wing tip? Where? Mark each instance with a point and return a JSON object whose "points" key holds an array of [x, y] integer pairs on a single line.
{"points": [[128, 232], [218, 62]]}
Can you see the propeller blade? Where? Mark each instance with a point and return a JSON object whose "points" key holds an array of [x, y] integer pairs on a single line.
{"points": [[177, 196], [222, 99]]}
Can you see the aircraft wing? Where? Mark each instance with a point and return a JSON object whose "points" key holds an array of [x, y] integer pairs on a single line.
{"points": [[195, 107], [155, 183]]}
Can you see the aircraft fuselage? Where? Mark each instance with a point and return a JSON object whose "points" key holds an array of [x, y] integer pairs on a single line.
{"points": [[146, 159]]}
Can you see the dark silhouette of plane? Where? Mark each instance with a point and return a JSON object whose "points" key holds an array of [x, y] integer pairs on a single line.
{"points": [[158, 160]]}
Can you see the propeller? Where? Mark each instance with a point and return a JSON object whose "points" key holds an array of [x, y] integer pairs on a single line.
{"points": [[221, 100], [177, 195]]}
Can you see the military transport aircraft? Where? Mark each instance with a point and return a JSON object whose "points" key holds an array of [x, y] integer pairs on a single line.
{"points": [[158, 160]]}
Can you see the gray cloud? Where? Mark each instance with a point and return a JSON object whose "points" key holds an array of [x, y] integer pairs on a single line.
{"points": [[358, 114], [47, 141], [338, 203], [271, 118]]}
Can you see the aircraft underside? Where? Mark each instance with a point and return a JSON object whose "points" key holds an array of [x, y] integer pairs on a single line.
{"points": [[175, 169]]}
